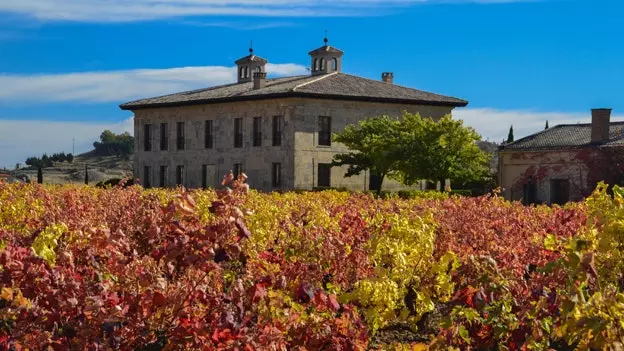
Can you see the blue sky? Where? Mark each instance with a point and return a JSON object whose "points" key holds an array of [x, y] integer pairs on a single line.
{"points": [[65, 65]]}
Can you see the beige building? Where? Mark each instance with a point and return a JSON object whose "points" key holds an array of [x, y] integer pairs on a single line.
{"points": [[563, 163], [278, 131]]}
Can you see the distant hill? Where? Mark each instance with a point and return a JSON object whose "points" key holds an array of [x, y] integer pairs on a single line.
{"points": [[99, 167]]}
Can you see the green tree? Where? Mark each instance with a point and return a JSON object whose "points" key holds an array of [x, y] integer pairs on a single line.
{"points": [[436, 151], [39, 175], [374, 146], [86, 175], [510, 136], [546, 127], [108, 137]]}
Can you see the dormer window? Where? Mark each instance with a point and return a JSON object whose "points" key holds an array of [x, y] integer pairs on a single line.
{"points": [[316, 65], [242, 72], [334, 64], [322, 63]]}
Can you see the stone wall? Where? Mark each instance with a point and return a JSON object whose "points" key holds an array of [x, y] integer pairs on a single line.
{"points": [[299, 153], [256, 160], [308, 154], [517, 168]]}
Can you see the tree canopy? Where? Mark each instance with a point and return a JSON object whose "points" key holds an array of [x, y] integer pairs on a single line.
{"points": [[413, 148], [440, 150], [510, 136], [114, 144], [374, 147]]}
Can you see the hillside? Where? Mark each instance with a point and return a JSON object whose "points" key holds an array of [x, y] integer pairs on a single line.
{"points": [[99, 168]]}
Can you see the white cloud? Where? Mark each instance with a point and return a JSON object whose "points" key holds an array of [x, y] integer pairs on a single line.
{"points": [[122, 85], [136, 10], [494, 124], [20, 139]]}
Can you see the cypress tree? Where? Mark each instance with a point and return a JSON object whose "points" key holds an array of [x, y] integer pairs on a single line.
{"points": [[39, 175], [546, 125], [86, 175], [510, 136]]}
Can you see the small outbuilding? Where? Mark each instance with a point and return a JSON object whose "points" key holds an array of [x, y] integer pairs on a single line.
{"points": [[563, 163]]}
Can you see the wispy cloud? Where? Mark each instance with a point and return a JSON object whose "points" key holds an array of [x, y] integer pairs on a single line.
{"points": [[493, 124], [21, 139], [121, 85], [136, 10], [240, 25]]}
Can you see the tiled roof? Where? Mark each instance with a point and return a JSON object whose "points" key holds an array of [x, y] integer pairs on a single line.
{"points": [[330, 86], [566, 136], [325, 48], [251, 58]]}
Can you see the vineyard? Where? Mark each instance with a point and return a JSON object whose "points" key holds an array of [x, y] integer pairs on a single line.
{"points": [[83, 268]]}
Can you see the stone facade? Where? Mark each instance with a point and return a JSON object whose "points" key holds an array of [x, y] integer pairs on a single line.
{"points": [[565, 162], [298, 155], [543, 170]]}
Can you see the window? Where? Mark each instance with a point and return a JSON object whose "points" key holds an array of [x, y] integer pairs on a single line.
{"points": [[276, 175], [324, 174], [324, 137], [204, 176], [277, 130], [316, 67], [208, 135], [559, 191], [180, 136], [374, 181], [162, 177], [257, 131], [238, 132], [242, 72], [529, 192], [238, 169], [322, 63], [246, 72], [146, 177], [180, 175], [147, 137], [164, 136], [335, 64]]}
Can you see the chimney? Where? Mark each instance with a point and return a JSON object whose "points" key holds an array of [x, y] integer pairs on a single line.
{"points": [[387, 77], [600, 124], [259, 80]]}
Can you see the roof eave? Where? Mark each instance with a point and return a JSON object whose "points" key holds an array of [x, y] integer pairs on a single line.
{"points": [[460, 103]]}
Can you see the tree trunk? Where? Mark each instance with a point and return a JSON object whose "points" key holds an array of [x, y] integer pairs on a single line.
{"points": [[382, 176]]}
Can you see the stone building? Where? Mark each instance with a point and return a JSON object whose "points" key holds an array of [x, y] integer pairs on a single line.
{"points": [[563, 163], [278, 131]]}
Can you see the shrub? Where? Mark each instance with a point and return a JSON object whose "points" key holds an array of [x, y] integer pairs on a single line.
{"points": [[132, 269]]}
